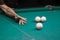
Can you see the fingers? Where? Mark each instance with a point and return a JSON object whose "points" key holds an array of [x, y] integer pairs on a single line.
{"points": [[22, 22], [25, 19]]}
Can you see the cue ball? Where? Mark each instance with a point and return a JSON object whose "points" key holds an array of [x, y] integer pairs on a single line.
{"points": [[39, 26], [43, 18], [37, 18]]}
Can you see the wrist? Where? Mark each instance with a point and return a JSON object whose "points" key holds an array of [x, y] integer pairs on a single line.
{"points": [[17, 18]]}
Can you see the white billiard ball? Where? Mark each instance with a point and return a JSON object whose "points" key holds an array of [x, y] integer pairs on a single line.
{"points": [[43, 18], [37, 18], [39, 26]]}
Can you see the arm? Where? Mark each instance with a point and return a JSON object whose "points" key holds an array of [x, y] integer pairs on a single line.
{"points": [[8, 11]]}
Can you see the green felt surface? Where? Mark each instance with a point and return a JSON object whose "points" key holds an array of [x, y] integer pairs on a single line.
{"points": [[11, 30]]}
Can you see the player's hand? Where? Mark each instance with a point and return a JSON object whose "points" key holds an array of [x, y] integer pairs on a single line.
{"points": [[22, 21]]}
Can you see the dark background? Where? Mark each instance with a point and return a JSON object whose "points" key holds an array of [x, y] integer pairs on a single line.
{"points": [[31, 3]]}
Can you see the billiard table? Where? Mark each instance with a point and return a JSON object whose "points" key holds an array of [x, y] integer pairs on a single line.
{"points": [[11, 30]]}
